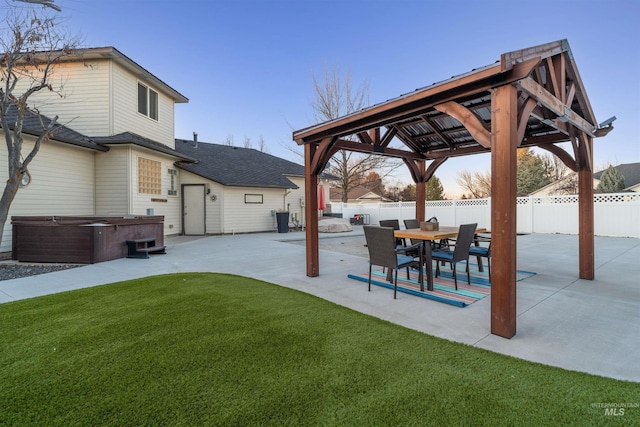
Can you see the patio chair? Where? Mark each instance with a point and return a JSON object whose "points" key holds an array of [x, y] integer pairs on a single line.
{"points": [[460, 253], [482, 251], [401, 245], [381, 244]]}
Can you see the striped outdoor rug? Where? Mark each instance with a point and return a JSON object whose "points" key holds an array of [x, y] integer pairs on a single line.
{"points": [[443, 286]]}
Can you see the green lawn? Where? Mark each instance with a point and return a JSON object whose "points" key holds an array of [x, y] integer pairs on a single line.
{"points": [[213, 349]]}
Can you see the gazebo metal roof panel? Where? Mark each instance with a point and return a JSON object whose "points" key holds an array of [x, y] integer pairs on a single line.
{"points": [[547, 70]]}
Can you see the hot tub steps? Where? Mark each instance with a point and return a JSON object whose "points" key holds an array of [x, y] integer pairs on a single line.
{"points": [[141, 248]]}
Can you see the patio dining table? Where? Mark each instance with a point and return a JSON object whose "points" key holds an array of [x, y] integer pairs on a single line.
{"points": [[444, 232]]}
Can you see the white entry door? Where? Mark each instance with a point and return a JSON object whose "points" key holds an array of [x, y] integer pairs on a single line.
{"points": [[193, 213]]}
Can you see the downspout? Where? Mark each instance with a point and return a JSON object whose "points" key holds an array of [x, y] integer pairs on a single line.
{"points": [[131, 185], [95, 181], [285, 207]]}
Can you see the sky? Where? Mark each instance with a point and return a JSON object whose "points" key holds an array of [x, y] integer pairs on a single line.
{"points": [[246, 66]]}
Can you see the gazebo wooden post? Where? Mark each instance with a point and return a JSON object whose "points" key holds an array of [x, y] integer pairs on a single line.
{"points": [[420, 193], [585, 211], [311, 212], [504, 114]]}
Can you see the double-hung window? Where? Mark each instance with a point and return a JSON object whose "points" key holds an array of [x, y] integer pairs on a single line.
{"points": [[147, 101]]}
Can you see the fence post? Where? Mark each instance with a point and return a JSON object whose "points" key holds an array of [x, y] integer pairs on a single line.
{"points": [[455, 212]]}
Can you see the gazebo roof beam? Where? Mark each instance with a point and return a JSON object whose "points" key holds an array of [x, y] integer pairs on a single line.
{"points": [[457, 152], [407, 139], [343, 144], [564, 113]]}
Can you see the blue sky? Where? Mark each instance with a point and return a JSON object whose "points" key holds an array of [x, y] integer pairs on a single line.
{"points": [[246, 65]]}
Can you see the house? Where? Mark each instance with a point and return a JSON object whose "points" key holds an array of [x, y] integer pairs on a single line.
{"points": [[234, 189], [116, 155], [358, 194], [568, 184]]}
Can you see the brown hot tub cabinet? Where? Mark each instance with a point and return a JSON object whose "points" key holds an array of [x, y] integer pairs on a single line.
{"points": [[81, 239]]}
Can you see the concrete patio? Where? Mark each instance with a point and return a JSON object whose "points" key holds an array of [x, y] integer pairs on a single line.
{"points": [[581, 325]]}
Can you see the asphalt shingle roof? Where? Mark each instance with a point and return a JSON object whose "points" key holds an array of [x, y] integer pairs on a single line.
{"points": [[237, 166], [132, 138], [35, 123]]}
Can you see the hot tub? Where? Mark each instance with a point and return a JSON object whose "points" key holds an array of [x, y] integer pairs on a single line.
{"points": [[80, 239]]}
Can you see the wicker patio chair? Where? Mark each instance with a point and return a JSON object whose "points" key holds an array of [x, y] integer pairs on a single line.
{"points": [[482, 251], [459, 253], [381, 244]]}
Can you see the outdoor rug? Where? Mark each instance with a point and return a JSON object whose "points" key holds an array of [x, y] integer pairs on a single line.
{"points": [[443, 286]]}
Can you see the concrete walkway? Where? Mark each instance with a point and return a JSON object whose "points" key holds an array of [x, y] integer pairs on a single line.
{"points": [[589, 326]]}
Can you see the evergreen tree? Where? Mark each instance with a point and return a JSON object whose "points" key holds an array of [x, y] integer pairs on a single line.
{"points": [[611, 181], [434, 189], [532, 174]]}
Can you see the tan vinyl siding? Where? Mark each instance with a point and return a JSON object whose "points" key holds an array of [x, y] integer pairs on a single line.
{"points": [[112, 181], [162, 204], [294, 197], [100, 98], [62, 183], [125, 110], [84, 106], [241, 217]]}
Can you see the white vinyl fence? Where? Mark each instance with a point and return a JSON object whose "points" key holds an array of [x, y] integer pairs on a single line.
{"points": [[616, 215]]}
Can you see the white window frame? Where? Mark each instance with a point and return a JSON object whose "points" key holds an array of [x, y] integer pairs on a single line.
{"points": [[149, 109]]}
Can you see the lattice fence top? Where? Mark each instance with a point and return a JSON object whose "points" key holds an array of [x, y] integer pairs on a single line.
{"points": [[617, 198], [555, 200], [472, 202], [440, 203]]}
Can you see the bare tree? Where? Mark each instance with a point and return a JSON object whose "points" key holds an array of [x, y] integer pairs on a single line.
{"points": [[262, 145], [335, 97], [228, 140], [32, 46], [554, 168], [564, 181], [44, 3], [247, 142], [476, 183]]}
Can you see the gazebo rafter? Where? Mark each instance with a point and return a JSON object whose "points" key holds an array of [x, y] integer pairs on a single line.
{"points": [[530, 97]]}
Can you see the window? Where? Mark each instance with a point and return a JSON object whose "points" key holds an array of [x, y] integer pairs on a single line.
{"points": [[147, 101], [172, 191], [253, 198], [149, 178]]}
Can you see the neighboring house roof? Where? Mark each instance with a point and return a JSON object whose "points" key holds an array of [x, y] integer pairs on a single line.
{"points": [[359, 193], [34, 124], [132, 138], [630, 172], [236, 166]]}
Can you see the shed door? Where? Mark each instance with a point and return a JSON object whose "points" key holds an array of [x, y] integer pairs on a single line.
{"points": [[193, 213]]}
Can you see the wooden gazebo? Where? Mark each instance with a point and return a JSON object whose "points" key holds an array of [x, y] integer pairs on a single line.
{"points": [[530, 97]]}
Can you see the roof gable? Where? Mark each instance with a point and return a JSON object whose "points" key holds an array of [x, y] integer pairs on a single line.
{"points": [[357, 193]]}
